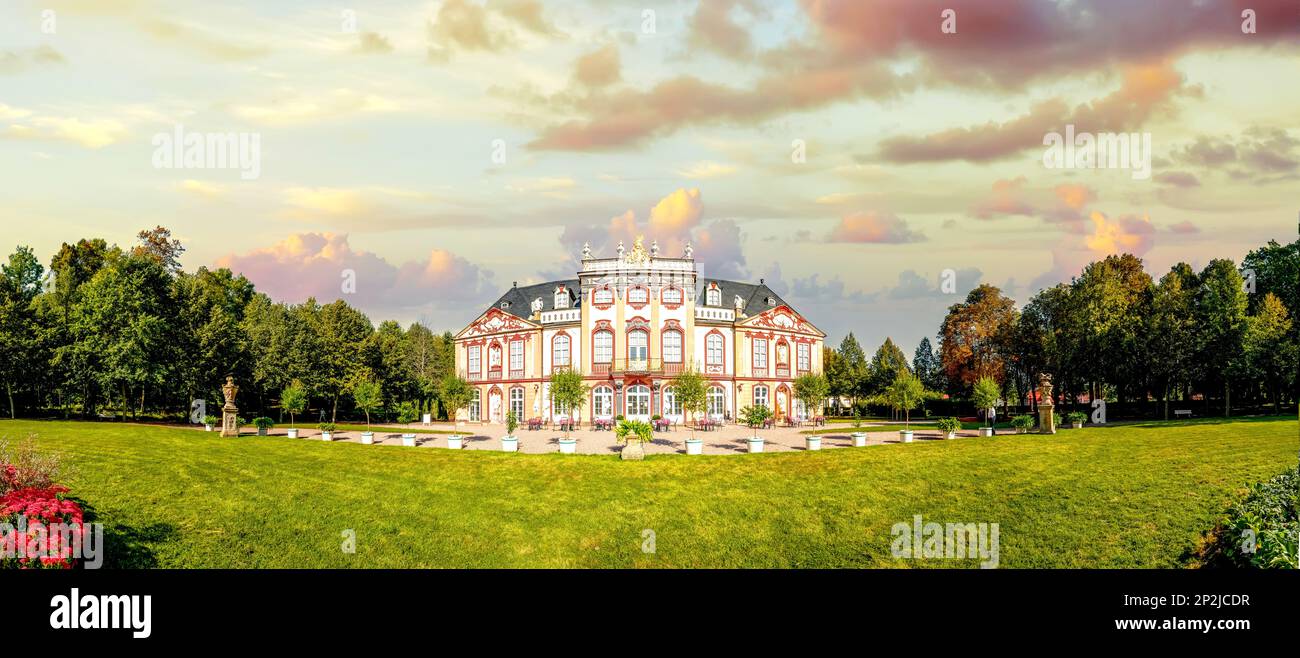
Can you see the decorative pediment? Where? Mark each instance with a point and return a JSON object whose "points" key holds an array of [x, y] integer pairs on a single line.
{"points": [[784, 318], [495, 321]]}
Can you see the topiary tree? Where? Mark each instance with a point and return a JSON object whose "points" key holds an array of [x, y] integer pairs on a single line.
{"points": [[369, 397], [985, 394], [568, 391], [692, 391], [812, 390], [905, 394], [293, 399]]}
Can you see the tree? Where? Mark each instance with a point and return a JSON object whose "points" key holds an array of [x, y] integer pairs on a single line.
{"points": [[692, 392], [1269, 351], [847, 374], [1172, 332], [341, 331], [455, 393], [888, 361], [905, 394], [1221, 326], [157, 243], [927, 367], [812, 390], [369, 397], [974, 337], [1111, 298], [985, 394], [293, 399], [568, 392], [20, 282]]}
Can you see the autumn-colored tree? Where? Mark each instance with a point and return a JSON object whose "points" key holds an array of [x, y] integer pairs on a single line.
{"points": [[975, 335]]}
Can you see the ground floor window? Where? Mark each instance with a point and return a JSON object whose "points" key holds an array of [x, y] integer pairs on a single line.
{"points": [[517, 402], [717, 402], [672, 406], [760, 396], [476, 406], [602, 402], [638, 400]]}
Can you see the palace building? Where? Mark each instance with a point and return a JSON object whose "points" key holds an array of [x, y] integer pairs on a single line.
{"points": [[630, 324]]}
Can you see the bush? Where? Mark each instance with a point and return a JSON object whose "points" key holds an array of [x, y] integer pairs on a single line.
{"points": [[25, 468], [211, 420], [634, 429], [36, 510], [407, 412], [263, 423], [1076, 417], [1023, 422], [1261, 530], [326, 427], [948, 424]]}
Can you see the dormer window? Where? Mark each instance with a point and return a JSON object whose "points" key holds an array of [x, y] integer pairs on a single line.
{"points": [[561, 297], [505, 304], [713, 297], [771, 301]]}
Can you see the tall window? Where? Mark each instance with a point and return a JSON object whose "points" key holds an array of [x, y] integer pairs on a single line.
{"points": [[602, 296], [602, 402], [637, 295], [672, 347], [805, 357], [760, 396], [672, 406], [713, 354], [760, 353], [558, 409], [638, 400], [517, 402], [516, 355], [602, 347], [475, 405], [475, 361], [494, 356], [672, 296], [717, 403], [713, 297], [638, 346], [561, 298], [560, 351]]}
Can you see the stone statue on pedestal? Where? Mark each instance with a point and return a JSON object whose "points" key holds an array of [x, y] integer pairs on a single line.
{"points": [[1046, 419], [229, 412]]}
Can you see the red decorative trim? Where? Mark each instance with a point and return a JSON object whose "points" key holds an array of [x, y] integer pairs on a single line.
{"points": [[606, 305], [637, 305], [494, 321], [672, 327], [556, 337], [601, 325], [715, 368], [681, 295]]}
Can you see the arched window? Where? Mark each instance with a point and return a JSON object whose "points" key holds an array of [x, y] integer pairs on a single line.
{"points": [[638, 401], [713, 352], [672, 346], [602, 297], [672, 406], [560, 351], [517, 402], [602, 402], [760, 396], [713, 297], [637, 295], [475, 405], [638, 347], [717, 403], [671, 295], [602, 347]]}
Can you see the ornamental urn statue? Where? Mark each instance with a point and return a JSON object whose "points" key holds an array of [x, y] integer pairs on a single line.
{"points": [[229, 412], [1046, 419]]}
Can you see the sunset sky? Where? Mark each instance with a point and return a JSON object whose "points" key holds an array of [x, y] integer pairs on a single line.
{"points": [[922, 151]]}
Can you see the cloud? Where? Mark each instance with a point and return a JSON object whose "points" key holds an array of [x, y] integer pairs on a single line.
{"points": [[316, 264], [1122, 235], [1177, 179], [527, 14], [202, 188], [461, 25], [912, 285], [92, 134], [15, 61], [1007, 199], [598, 68], [706, 169], [712, 28], [199, 40], [1012, 197], [873, 227], [1185, 227], [373, 43], [1259, 154], [294, 107]]}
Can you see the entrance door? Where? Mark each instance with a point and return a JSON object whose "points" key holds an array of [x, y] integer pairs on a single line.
{"points": [[782, 402], [638, 402]]}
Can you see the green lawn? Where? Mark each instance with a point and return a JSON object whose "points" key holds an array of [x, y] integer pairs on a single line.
{"points": [[1131, 496]]}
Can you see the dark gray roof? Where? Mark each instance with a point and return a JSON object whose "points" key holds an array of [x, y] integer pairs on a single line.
{"points": [[756, 296], [520, 299]]}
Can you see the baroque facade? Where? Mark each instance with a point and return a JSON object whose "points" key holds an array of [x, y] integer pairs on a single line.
{"points": [[629, 324]]}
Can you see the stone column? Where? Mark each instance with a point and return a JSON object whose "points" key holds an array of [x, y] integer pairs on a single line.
{"points": [[229, 412], [1046, 419]]}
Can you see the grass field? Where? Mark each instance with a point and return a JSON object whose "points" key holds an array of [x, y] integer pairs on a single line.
{"points": [[1129, 496]]}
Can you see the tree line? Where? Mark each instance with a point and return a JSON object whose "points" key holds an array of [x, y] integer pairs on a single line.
{"points": [[1221, 338], [128, 331]]}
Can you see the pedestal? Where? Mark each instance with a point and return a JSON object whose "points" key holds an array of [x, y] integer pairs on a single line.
{"points": [[229, 420], [1046, 419]]}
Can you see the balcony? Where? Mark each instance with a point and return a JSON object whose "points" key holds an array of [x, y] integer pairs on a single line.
{"points": [[561, 315], [715, 314], [475, 376], [600, 369], [672, 369], [638, 366]]}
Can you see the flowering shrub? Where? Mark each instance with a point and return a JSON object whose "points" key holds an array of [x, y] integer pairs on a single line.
{"points": [[39, 529], [26, 468]]}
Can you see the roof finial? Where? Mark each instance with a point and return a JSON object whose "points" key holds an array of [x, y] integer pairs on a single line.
{"points": [[620, 249], [654, 248], [586, 250], [689, 250]]}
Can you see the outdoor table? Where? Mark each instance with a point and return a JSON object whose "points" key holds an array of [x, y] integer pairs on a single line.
{"points": [[534, 423]]}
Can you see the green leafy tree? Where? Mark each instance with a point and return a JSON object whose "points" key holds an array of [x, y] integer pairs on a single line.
{"points": [[692, 392], [848, 373], [905, 394], [368, 396], [1270, 354], [1221, 327], [568, 392], [293, 399], [456, 393], [341, 332], [20, 282], [1172, 333], [925, 363], [985, 394], [888, 361], [811, 389]]}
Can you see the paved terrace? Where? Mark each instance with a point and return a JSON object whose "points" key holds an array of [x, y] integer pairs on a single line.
{"points": [[727, 440]]}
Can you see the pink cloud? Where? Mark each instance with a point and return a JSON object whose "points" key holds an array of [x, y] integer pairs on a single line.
{"points": [[873, 227]]}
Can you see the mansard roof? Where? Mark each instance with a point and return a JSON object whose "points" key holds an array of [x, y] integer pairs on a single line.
{"points": [[758, 297], [519, 299]]}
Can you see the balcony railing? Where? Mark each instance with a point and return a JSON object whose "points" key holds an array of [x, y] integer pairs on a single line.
{"points": [[783, 371], [672, 369], [494, 374], [638, 366], [600, 369], [759, 372], [562, 315], [517, 374], [718, 314]]}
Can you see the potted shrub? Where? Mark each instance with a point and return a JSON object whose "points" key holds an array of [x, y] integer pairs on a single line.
{"points": [[326, 431], [369, 397], [408, 439], [1076, 419], [811, 390], [905, 394], [263, 425], [754, 417], [209, 422], [568, 392], [509, 442], [949, 426], [1023, 423], [859, 437], [692, 392], [456, 394], [985, 394], [293, 399], [633, 434]]}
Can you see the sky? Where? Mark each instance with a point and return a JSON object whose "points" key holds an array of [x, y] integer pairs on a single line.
{"points": [[854, 155]]}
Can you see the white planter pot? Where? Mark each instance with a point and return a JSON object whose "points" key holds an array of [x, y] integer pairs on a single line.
{"points": [[367, 437], [509, 444], [455, 442], [755, 444], [326, 436], [1077, 426], [950, 435], [408, 440], [568, 446], [986, 431], [293, 433], [207, 428], [905, 436], [694, 446], [814, 442], [428, 418], [261, 431], [859, 439]]}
